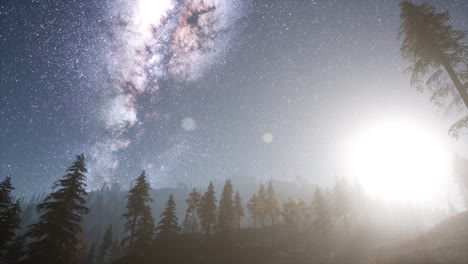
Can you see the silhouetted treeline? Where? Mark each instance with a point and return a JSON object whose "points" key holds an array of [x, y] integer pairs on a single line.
{"points": [[71, 226]]}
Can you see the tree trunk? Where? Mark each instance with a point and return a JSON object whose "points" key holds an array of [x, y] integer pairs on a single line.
{"points": [[456, 81]]}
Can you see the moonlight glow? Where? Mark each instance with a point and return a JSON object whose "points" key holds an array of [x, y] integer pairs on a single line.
{"points": [[399, 161]]}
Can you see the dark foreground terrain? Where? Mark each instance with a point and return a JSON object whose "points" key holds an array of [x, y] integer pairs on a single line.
{"points": [[445, 243]]}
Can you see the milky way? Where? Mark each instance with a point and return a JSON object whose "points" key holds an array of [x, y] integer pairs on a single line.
{"points": [[150, 41]]}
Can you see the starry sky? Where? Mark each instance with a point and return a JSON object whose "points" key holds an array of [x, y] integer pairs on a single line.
{"points": [[194, 90]]}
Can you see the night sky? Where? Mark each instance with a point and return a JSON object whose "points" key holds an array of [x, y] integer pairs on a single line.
{"points": [[199, 90]]}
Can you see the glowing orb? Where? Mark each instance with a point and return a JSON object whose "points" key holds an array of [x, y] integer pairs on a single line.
{"points": [[267, 138], [188, 124], [399, 161]]}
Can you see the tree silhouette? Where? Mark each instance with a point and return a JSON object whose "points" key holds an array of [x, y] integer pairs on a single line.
{"points": [[168, 226], [254, 209], [294, 216], [9, 217], [145, 231], [238, 210], [225, 217], [55, 235], [15, 252], [140, 223], [192, 204], [207, 209], [432, 45], [106, 244]]}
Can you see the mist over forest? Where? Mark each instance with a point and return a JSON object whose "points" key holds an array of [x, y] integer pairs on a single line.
{"points": [[234, 131]]}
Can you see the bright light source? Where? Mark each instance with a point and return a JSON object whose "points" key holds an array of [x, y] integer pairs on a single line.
{"points": [[400, 161]]}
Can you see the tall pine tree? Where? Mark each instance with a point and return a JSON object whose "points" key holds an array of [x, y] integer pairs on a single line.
{"points": [[191, 213], [168, 226], [145, 231], [10, 220], [207, 209], [55, 236], [15, 251], [254, 209], [225, 217], [295, 212], [438, 54], [140, 223]]}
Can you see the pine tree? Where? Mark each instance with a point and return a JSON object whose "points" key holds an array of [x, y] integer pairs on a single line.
{"points": [[321, 219], [9, 217], [145, 231], [238, 210], [225, 217], [207, 209], [91, 256], [433, 45], [272, 206], [15, 252], [168, 226], [6, 187], [140, 223], [261, 194], [55, 235], [106, 244], [294, 215], [254, 209], [193, 203]]}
